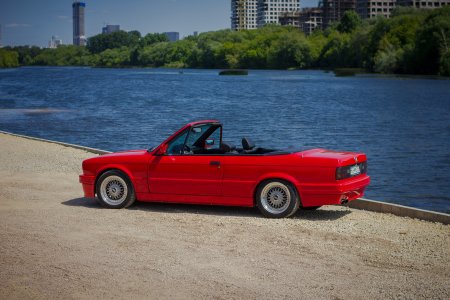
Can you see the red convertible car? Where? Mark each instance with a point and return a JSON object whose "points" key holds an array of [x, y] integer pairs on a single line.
{"points": [[195, 166]]}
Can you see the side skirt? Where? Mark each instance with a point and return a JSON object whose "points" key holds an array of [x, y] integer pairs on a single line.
{"points": [[191, 199]]}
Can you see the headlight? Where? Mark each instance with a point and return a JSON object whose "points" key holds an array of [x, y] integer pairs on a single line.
{"points": [[351, 171]]}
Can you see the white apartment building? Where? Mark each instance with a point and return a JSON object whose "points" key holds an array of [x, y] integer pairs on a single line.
{"points": [[54, 42], [251, 14], [423, 3], [373, 8], [269, 11], [244, 14]]}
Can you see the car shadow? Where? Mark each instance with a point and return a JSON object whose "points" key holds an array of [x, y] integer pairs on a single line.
{"points": [[236, 211], [84, 202], [320, 214]]}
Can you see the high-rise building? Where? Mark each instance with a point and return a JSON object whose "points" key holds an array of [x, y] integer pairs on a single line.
{"points": [[172, 36], [110, 28], [367, 9], [54, 42], [251, 14], [269, 10], [290, 18], [79, 37], [244, 14], [333, 10], [307, 20], [311, 19], [423, 4]]}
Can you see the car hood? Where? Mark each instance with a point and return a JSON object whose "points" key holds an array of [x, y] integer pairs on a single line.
{"points": [[125, 153], [116, 157]]}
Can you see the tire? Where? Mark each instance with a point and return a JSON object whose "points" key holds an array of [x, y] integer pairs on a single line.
{"points": [[311, 207], [114, 190], [277, 199]]}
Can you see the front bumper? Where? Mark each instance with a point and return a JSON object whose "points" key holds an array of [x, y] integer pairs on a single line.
{"points": [[88, 183], [340, 192]]}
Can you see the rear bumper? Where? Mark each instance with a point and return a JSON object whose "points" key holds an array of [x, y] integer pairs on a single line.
{"points": [[339, 192], [88, 183]]}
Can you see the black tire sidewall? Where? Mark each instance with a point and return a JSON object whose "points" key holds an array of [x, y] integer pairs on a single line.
{"points": [[130, 195], [293, 205]]}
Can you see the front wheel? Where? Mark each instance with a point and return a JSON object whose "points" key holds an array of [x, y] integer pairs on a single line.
{"points": [[114, 190], [277, 199]]}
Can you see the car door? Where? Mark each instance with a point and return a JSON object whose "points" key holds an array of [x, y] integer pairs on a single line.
{"points": [[180, 172], [185, 175]]}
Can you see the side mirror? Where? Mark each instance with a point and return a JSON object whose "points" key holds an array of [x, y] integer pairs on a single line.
{"points": [[161, 150]]}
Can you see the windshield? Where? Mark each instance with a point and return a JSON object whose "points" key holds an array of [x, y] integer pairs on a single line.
{"points": [[194, 139]]}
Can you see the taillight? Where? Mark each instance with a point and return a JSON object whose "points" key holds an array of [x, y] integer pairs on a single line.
{"points": [[351, 171]]}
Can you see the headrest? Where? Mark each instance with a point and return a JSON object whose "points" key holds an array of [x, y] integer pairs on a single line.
{"points": [[247, 144]]}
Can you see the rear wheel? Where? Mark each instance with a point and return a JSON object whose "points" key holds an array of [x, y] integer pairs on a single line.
{"points": [[277, 199], [114, 190]]}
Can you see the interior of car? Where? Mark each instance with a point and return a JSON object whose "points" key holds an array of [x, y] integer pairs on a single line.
{"points": [[206, 139]]}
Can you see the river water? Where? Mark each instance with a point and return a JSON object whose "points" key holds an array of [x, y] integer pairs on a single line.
{"points": [[402, 124]]}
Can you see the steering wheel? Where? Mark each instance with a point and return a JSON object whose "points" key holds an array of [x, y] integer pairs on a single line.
{"points": [[187, 150]]}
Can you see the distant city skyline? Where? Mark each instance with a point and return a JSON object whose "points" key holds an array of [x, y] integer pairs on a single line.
{"points": [[30, 22]]}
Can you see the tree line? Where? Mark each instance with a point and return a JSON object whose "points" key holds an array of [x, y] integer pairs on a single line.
{"points": [[412, 41]]}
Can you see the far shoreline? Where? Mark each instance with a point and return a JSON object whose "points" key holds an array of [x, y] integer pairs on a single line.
{"points": [[357, 72]]}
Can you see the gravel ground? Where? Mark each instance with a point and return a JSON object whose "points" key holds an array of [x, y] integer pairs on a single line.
{"points": [[55, 244]]}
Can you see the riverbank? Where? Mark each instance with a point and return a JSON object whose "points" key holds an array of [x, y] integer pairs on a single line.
{"points": [[56, 244]]}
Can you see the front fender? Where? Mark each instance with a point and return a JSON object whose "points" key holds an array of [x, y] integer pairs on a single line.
{"points": [[139, 183]]}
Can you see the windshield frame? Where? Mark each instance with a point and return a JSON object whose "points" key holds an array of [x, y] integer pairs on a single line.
{"points": [[199, 142]]}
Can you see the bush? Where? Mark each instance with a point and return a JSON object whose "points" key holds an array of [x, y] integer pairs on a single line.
{"points": [[8, 59]]}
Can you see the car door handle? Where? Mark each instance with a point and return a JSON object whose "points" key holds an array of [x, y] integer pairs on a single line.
{"points": [[214, 163]]}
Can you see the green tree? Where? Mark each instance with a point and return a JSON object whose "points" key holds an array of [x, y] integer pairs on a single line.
{"points": [[433, 42], [388, 58], [118, 39], [444, 64], [65, 55], [153, 38], [26, 53], [335, 53], [154, 55], [291, 50], [8, 59], [117, 57], [349, 21]]}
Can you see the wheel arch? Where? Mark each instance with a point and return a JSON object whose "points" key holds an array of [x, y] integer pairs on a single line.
{"points": [[277, 176], [119, 168]]}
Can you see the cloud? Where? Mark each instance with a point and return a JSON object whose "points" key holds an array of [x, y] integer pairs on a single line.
{"points": [[15, 25]]}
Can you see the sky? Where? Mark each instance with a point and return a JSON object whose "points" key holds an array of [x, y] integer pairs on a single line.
{"points": [[33, 22]]}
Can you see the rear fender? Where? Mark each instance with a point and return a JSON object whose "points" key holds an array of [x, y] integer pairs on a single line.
{"points": [[282, 176]]}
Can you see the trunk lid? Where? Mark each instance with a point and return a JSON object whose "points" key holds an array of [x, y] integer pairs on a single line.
{"points": [[332, 158]]}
